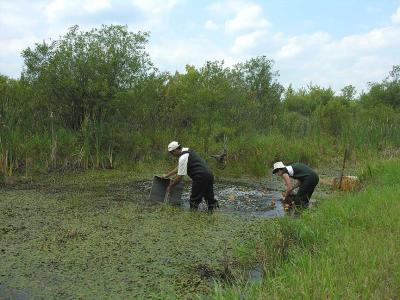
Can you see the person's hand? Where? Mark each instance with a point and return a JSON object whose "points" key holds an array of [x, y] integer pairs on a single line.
{"points": [[163, 176], [289, 192]]}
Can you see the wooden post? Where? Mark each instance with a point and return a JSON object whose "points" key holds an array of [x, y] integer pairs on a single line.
{"points": [[344, 163]]}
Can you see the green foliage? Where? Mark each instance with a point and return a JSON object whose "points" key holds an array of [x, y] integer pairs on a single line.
{"points": [[261, 86], [334, 117], [92, 99], [348, 93], [387, 92], [306, 101], [79, 74]]}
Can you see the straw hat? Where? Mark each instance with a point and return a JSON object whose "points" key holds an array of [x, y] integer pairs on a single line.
{"points": [[278, 165], [172, 146]]}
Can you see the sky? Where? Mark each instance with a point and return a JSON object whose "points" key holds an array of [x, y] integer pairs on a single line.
{"points": [[320, 42]]}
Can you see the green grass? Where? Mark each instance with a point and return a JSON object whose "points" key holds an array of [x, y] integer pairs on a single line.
{"points": [[347, 248], [248, 155]]}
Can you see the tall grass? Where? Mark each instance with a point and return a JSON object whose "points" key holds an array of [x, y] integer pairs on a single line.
{"points": [[101, 143], [347, 248]]}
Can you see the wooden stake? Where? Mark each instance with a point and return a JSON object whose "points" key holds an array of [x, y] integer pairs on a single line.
{"points": [[344, 163]]}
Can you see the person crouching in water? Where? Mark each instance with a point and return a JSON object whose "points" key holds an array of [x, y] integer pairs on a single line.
{"points": [[306, 177], [191, 164]]}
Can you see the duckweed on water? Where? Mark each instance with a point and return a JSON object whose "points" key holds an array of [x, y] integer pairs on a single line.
{"points": [[70, 240]]}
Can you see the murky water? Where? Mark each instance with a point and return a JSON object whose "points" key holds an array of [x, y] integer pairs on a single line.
{"points": [[101, 207], [256, 274], [249, 200], [234, 198], [14, 294]]}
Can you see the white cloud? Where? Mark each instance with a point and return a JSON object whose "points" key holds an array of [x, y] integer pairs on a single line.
{"points": [[155, 7], [396, 16], [289, 51], [374, 39], [176, 54], [92, 6], [179, 52], [248, 17], [293, 47], [54, 8], [348, 50], [15, 46], [210, 25], [154, 11], [60, 8], [354, 59], [15, 24], [248, 41]]}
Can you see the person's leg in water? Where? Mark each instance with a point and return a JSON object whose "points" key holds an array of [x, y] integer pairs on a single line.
{"points": [[209, 194], [196, 194]]}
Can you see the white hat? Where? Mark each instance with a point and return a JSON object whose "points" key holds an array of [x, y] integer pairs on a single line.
{"points": [[172, 146], [278, 165]]}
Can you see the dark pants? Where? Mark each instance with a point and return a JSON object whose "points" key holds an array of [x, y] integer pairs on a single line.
{"points": [[202, 186], [306, 190]]}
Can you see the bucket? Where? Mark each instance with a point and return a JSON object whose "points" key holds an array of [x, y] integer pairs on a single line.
{"points": [[158, 190]]}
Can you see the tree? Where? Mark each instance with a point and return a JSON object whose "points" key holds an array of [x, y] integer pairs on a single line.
{"points": [[201, 98], [258, 78], [387, 92], [333, 117], [348, 93], [80, 74]]}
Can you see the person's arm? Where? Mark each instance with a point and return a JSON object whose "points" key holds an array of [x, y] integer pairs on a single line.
{"points": [[173, 172], [180, 171], [173, 183], [288, 183]]}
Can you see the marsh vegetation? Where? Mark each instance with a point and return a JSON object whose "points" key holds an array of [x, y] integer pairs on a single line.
{"points": [[85, 127]]}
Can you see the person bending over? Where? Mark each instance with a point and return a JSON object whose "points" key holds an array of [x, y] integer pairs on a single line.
{"points": [[191, 164], [307, 180]]}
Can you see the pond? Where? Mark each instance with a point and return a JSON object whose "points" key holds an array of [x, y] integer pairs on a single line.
{"points": [[99, 233], [236, 198]]}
